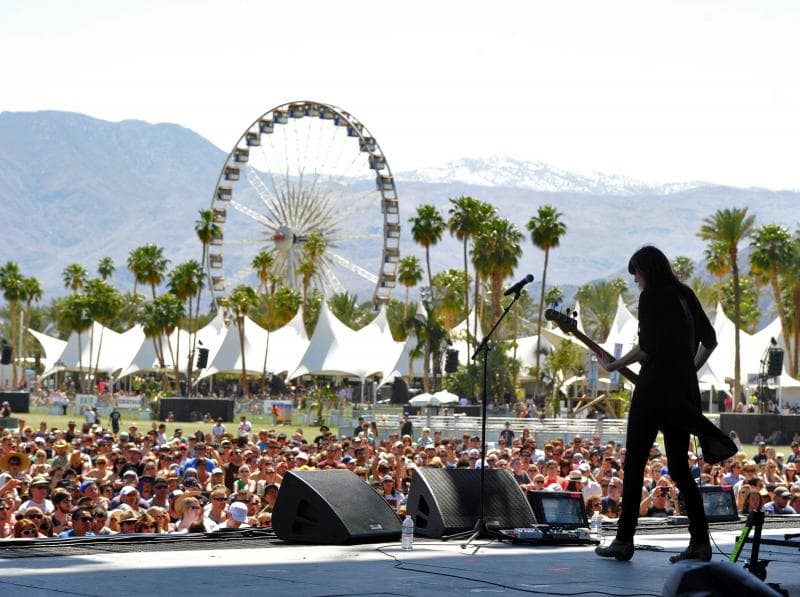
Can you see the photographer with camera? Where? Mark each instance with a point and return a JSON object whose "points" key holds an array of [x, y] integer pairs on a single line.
{"points": [[661, 502]]}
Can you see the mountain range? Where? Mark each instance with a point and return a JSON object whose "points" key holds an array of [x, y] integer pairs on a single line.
{"points": [[75, 188]]}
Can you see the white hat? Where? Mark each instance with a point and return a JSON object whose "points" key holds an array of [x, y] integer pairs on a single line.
{"points": [[126, 490], [302, 456], [584, 467], [238, 511]]}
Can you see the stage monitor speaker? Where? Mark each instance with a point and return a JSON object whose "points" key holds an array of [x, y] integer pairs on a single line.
{"points": [[446, 501], [714, 578], [5, 357], [774, 362], [332, 507]]}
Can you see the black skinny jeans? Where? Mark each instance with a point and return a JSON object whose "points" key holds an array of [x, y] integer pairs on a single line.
{"points": [[643, 425]]}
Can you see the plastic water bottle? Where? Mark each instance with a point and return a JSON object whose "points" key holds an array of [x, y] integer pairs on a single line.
{"points": [[596, 526], [407, 541]]}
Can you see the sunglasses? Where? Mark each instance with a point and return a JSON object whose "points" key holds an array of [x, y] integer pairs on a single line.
{"points": [[219, 499], [28, 533], [34, 516], [85, 519], [99, 516], [124, 522], [195, 508]]}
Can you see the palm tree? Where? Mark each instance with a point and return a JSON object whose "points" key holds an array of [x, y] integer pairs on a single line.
{"points": [[31, 291], [76, 317], [728, 227], [772, 253], [241, 300], [104, 303], [286, 302], [467, 216], [263, 263], [409, 272], [185, 281], [74, 277], [207, 230], [313, 250], [717, 265], [683, 268], [426, 230], [599, 304], [106, 268], [346, 309], [159, 318], [449, 288], [496, 254], [12, 283], [546, 230], [148, 266]]}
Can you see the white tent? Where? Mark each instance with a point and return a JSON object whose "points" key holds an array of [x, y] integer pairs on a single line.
{"points": [[282, 348], [624, 329], [229, 357], [335, 349], [53, 348], [98, 346]]}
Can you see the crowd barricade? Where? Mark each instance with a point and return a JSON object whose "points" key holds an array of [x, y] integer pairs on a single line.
{"points": [[456, 425]]}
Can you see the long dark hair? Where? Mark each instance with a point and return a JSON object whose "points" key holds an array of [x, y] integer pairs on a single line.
{"points": [[652, 265]]}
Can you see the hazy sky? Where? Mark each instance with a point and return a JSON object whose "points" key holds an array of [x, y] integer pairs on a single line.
{"points": [[669, 91]]}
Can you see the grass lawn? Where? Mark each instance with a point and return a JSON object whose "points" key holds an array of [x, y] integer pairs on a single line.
{"points": [[259, 422]]}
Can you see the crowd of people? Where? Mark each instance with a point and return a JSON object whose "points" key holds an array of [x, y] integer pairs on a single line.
{"points": [[89, 480]]}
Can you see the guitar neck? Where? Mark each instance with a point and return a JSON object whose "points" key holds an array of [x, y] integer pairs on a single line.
{"points": [[602, 352]]}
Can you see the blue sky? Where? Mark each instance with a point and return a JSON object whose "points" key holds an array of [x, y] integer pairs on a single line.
{"points": [[685, 90]]}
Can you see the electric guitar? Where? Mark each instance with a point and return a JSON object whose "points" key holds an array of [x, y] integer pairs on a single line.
{"points": [[569, 325]]}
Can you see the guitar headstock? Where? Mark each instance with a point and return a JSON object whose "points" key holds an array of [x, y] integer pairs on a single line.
{"points": [[564, 321]]}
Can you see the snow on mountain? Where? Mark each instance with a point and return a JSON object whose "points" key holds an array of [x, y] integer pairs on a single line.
{"points": [[501, 171]]}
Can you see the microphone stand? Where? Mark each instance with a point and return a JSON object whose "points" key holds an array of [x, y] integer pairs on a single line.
{"points": [[481, 530]]}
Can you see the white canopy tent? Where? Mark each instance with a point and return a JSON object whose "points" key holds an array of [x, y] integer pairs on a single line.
{"points": [[283, 348], [336, 349]]}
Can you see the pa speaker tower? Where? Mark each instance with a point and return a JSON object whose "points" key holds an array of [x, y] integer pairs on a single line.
{"points": [[447, 501], [332, 507], [774, 362]]}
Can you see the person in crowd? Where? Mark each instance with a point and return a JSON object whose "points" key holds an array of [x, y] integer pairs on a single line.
{"points": [[611, 503], [217, 507], [237, 517], [25, 529], [82, 520], [780, 502], [675, 340]]}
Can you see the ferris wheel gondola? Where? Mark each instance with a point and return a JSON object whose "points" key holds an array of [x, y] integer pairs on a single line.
{"points": [[300, 169]]}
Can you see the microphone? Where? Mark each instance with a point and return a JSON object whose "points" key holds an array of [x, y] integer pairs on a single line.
{"points": [[516, 288]]}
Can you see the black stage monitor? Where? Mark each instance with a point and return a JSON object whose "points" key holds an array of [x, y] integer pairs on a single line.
{"points": [[559, 509], [719, 503]]}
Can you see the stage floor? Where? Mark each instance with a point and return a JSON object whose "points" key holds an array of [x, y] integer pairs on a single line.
{"points": [[258, 566]]}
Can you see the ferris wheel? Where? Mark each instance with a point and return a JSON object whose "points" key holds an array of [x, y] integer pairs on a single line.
{"points": [[306, 169]]}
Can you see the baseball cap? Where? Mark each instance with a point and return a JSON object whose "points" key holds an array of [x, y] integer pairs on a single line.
{"points": [[584, 467], [238, 511], [781, 491], [217, 471], [387, 478], [123, 437], [126, 490], [86, 484], [302, 456]]}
